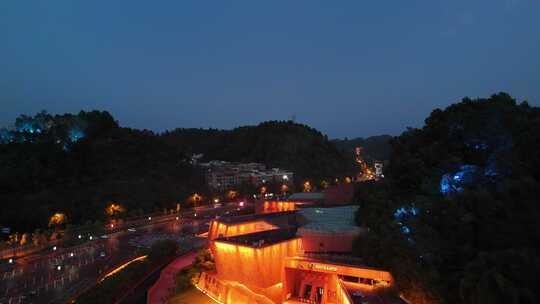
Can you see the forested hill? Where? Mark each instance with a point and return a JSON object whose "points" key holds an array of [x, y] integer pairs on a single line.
{"points": [[283, 144], [79, 163], [456, 218]]}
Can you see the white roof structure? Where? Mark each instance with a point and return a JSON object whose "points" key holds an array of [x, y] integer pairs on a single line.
{"points": [[338, 220], [300, 196]]}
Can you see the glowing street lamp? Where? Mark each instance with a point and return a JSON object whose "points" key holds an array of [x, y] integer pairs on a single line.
{"points": [[307, 186], [10, 261], [149, 218], [114, 209], [231, 194], [54, 248], [79, 236], [71, 254], [57, 219]]}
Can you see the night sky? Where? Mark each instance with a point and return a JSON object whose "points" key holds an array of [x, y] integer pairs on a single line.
{"points": [[347, 68]]}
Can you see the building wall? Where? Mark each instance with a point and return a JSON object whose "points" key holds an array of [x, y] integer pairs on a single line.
{"points": [[218, 229], [326, 242], [274, 206], [254, 267]]}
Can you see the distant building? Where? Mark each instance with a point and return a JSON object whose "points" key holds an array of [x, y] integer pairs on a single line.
{"points": [[378, 169], [222, 175]]}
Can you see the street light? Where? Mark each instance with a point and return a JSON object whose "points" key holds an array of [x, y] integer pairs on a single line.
{"points": [[90, 238], [177, 218], [10, 261], [71, 254], [149, 218], [54, 248], [79, 236], [58, 267]]}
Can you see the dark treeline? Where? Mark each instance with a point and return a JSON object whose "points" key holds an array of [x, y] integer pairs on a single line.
{"points": [[456, 219], [374, 148], [41, 174], [79, 164], [282, 144]]}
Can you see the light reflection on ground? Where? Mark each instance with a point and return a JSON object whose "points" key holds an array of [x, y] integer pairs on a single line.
{"points": [[191, 296]]}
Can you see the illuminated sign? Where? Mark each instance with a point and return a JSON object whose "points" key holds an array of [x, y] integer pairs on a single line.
{"points": [[323, 267]]}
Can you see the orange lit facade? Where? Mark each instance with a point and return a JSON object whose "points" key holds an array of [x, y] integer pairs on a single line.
{"points": [[275, 206], [220, 229], [263, 262]]}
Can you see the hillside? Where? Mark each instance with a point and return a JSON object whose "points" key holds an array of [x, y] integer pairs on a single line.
{"points": [[283, 144], [78, 164], [44, 170], [455, 219]]}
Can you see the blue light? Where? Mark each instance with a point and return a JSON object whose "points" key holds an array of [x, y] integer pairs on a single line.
{"points": [[455, 182], [400, 213], [446, 184], [75, 134], [405, 229], [404, 212], [26, 127]]}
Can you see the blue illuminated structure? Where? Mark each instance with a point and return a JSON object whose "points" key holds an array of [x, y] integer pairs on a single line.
{"points": [[75, 134], [455, 182], [405, 230], [404, 212]]}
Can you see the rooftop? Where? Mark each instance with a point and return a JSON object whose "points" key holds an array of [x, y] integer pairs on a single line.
{"points": [[261, 239], [306, 196], [252, 217], [330, 220]]}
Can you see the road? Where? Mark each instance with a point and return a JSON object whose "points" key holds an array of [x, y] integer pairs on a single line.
{"points": [[56, 276]]}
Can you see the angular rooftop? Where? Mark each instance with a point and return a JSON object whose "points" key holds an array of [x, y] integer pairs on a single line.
{"points": [[261, 239]]}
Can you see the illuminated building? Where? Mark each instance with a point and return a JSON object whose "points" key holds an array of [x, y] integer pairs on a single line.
{"points": [[222, 175], [378, 169], [275, 206], [296, 256]]}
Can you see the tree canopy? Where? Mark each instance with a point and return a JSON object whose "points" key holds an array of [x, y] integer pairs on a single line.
{"points": [[456, 218]]}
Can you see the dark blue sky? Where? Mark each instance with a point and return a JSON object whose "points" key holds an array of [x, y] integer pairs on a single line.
{"points": [[348, 68]]}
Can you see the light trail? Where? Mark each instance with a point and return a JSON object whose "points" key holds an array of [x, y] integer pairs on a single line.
{"points": [[117, 269]]}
